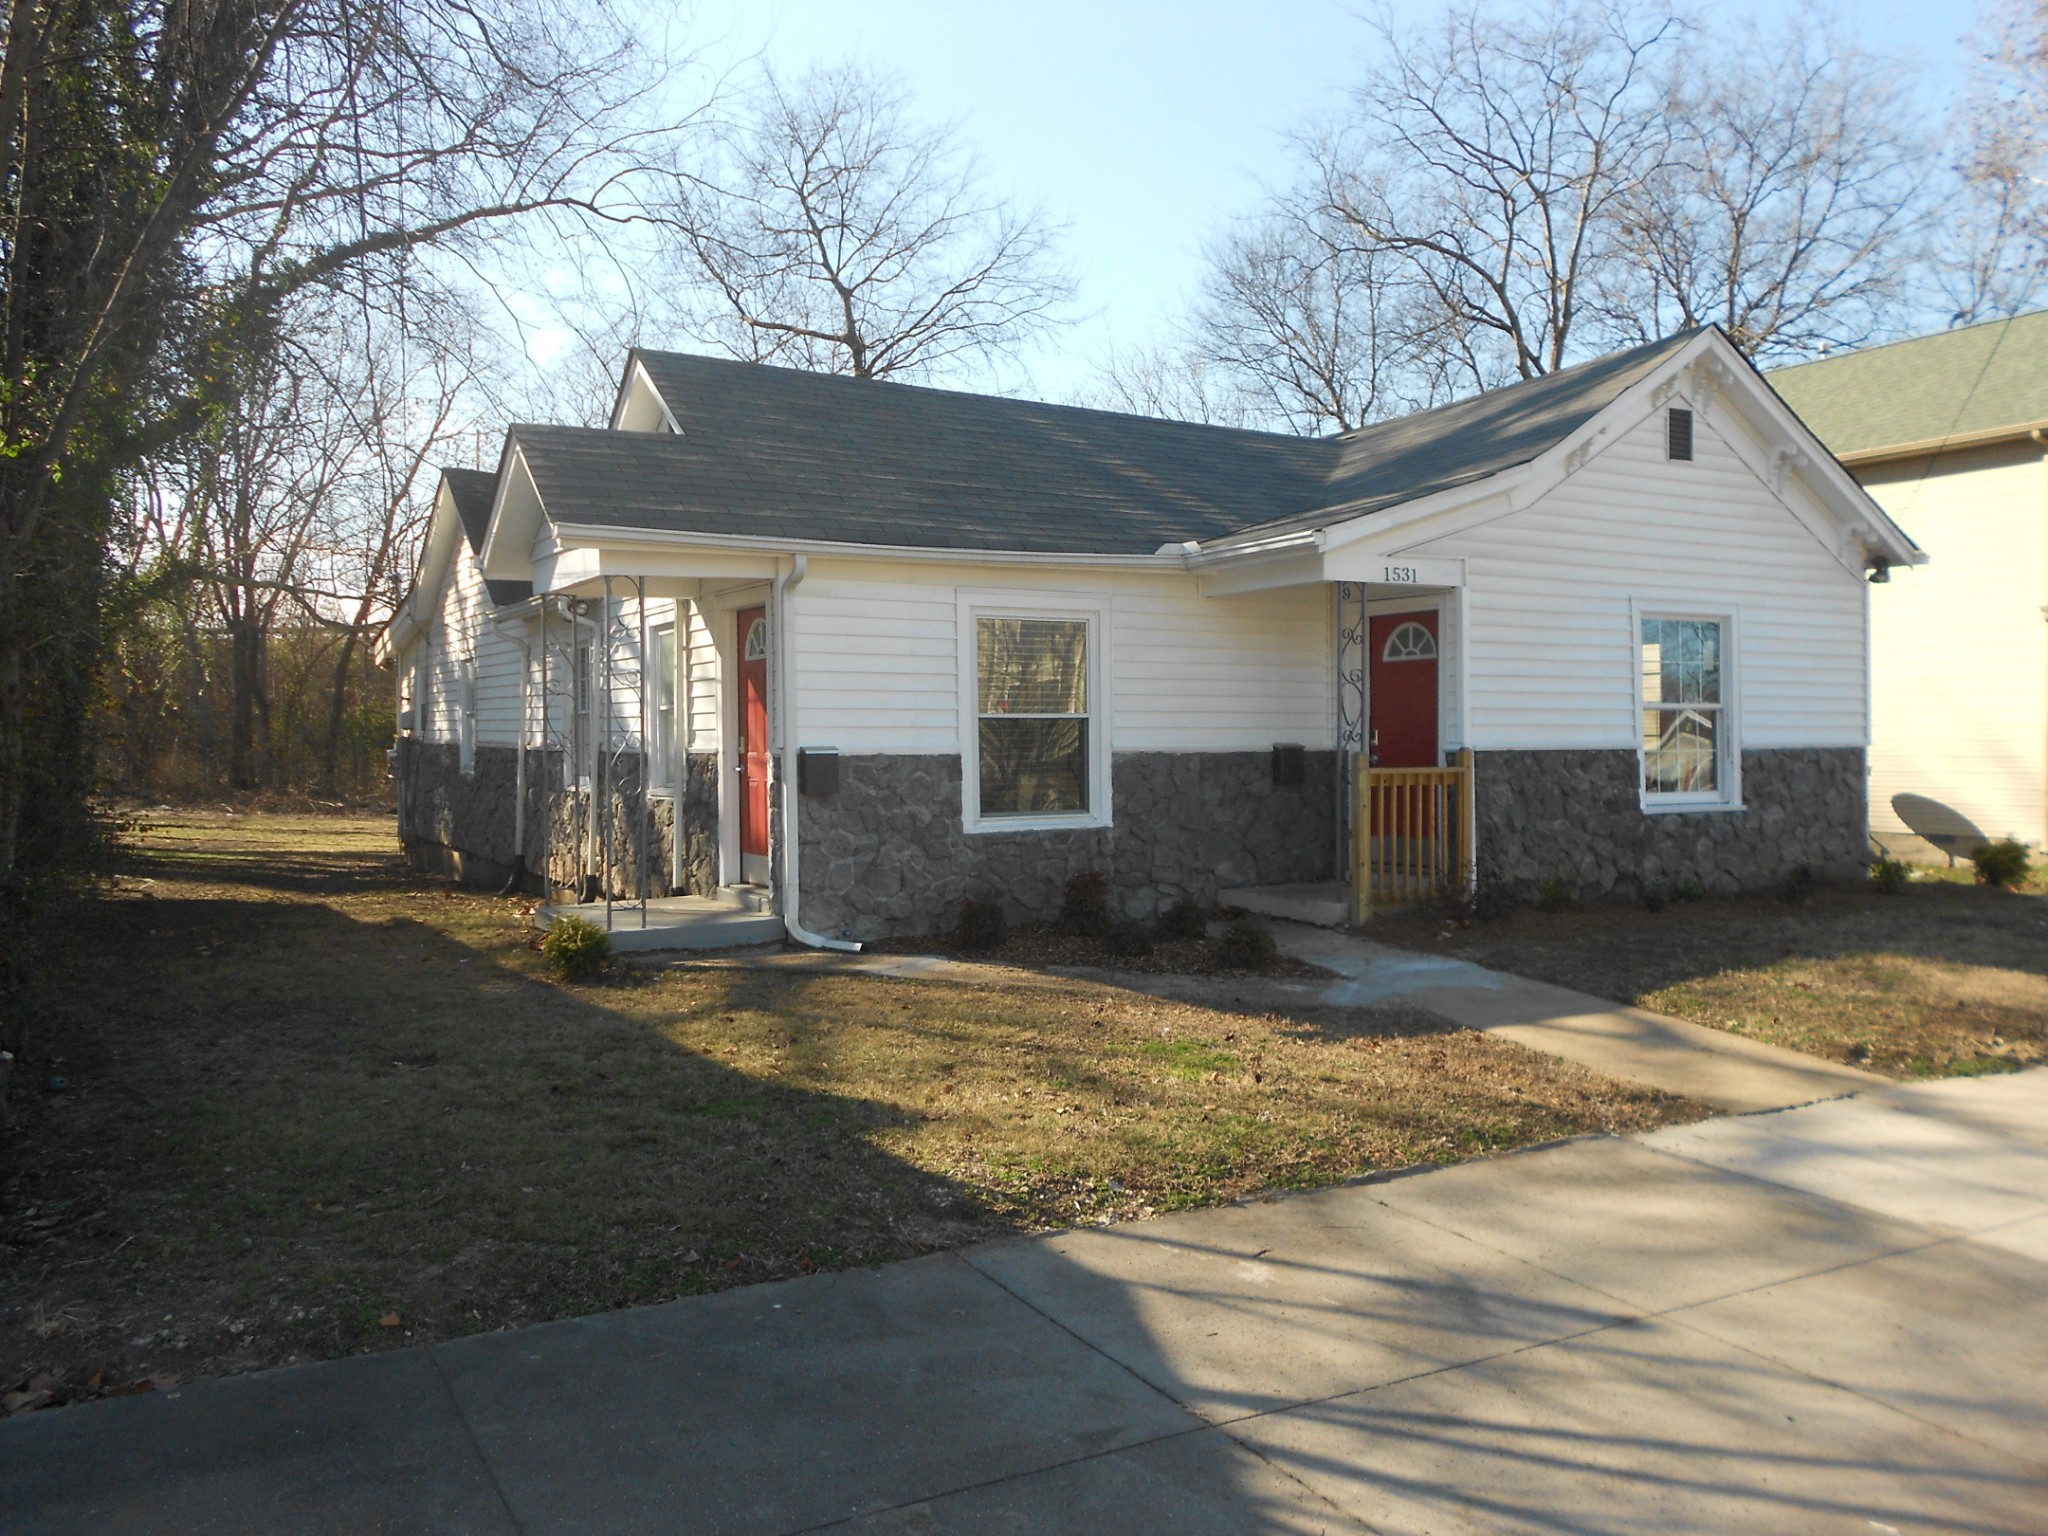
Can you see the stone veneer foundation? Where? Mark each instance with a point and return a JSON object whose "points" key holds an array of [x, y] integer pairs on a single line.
{"points": [[1576, 819], [886, 856], [463, 824]]}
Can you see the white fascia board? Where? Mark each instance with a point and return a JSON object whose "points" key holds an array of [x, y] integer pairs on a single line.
{"points": [[1298, 566]]}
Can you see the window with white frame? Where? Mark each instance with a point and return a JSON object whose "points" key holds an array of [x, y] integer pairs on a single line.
{"points": [[1035, 717], [582, 677], [664, 775], [1686, 737], [465, 727]]}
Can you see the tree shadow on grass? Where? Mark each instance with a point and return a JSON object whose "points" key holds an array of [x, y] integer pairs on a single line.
{"points": [[337, 1122]]}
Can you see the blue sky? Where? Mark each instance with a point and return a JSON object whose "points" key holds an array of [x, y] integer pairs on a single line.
{"points": [[1140, 124]]}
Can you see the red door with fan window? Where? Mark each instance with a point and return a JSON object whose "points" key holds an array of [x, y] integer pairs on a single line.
{"points": [[1403, 725], [1403, 661], [753, 743]]}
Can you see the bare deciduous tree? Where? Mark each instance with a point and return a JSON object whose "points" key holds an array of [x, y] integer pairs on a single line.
{"points": [[838, 234], [1788, 209], [1488, 159], [1995, 259], [1315, 327]]}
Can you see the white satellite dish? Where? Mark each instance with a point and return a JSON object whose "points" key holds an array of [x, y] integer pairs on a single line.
{"points": [[1942, 825]]}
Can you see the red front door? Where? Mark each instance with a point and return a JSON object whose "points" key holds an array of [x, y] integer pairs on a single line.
{"points": [[1403, 661], [753, 741]]}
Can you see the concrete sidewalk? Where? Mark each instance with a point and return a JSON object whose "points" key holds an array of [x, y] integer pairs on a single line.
{"points": [[1832, 1318]]}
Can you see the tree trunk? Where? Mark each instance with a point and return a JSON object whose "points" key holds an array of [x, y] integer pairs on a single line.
{"points": [[337, 711], [245, 682]]}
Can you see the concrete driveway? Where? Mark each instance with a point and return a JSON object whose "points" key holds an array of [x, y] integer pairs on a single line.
{"points": [[1831, 1318]]}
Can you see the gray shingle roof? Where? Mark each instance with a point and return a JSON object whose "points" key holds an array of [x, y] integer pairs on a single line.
{"points": [[473, 491], [775, 452]]}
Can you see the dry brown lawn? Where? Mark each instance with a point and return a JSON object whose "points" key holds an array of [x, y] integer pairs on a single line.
{"points": [[1943, 978], [311, 1105]]}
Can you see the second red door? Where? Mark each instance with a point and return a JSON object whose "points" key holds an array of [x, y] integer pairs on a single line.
{"points": [[752, 751]]}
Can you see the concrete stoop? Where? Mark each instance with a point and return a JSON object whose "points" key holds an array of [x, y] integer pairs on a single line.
{"points": [[1323, 904], [737, 915]]}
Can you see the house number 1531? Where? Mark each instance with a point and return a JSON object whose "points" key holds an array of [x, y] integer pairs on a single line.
{"points": [[1400, 575]]}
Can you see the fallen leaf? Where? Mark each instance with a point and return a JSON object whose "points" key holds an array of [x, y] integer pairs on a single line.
{"points": [[390, 1320]]}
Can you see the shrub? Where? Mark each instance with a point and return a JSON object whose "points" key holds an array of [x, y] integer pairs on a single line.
{"points": [[1889, 875], [576, 949], [2003, 864], [1084, 909], [1246, 945], [1185, 919], [1796, 887], [981, 922], [1554, 895], [1654, 900], [1129, 941]]}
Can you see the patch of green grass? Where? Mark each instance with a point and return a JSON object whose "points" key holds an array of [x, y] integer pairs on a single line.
{"points": [[1189, 1059]]}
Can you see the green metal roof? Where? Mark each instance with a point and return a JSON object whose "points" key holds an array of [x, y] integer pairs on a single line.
{"points": [[1962, 384]]}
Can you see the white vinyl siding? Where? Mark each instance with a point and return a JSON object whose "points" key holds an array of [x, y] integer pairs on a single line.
{"points": [[1553, 592], [878, 652], [1959, 647]]}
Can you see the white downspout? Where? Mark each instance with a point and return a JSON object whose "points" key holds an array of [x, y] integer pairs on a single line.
{"points": [[784, 697], [525, 645]]}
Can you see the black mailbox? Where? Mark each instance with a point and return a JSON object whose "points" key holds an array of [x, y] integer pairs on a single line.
{"points": [[1290, 765], [817, 771]]}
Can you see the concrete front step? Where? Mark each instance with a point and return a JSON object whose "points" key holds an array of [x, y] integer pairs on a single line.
{"points": [[1325, 904], [724, 921]]}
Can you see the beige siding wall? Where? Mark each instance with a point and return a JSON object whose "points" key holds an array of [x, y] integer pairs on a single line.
{"points": [[1959, 647], [878, 654], [1553, 641]]}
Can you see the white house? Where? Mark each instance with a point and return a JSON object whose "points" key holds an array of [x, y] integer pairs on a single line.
{"points": [[1603, 630], [1947, 434]]}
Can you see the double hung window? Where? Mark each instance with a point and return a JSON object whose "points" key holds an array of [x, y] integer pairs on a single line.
{"points": [[1037, 741], [664, 769], [1686, 745]]}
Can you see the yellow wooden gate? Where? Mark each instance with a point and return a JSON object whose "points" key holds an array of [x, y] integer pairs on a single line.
{"points": [[1411, 834]]}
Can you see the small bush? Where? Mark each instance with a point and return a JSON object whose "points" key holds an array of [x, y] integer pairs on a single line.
{"points": [[1889, 875], [1554, 895], [2003, 864], [1654, 900], [1129, 941], [1796, 887], [575, 948], [981, 923], [1185, 919], [1084, 909], [1246, 945]]}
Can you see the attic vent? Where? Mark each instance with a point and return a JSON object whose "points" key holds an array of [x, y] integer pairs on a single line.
{"points": [[1678, 433]]}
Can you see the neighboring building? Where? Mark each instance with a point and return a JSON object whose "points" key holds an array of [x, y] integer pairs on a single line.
{"points": [[1946, 433], [1616, 615]]}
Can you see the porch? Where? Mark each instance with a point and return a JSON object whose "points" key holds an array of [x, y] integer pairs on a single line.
{"points": [[729, 920]]}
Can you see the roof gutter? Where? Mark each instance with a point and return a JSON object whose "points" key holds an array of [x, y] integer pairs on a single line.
{"points": [[2034, 431], [624, 537]]}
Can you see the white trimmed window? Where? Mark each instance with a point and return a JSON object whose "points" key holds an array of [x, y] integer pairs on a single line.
{"points": [[664, 771], [1035, 750], [1687, 745], [465, 688]]}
